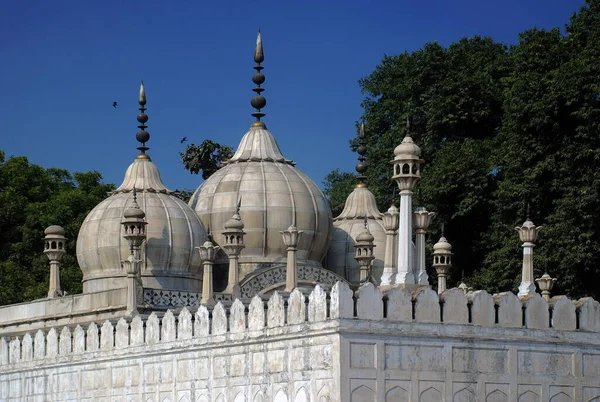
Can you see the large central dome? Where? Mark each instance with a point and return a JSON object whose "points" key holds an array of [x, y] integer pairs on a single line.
{"points": [[274, 194]]}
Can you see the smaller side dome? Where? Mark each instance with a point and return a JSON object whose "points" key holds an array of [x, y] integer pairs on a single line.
{"points": [[349, 228], [54, 230], [442, 244], [408, 149], [365, 236]]}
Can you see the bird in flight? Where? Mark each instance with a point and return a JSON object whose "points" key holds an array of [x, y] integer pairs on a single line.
{"points": [[184, 139], [115, 104]]}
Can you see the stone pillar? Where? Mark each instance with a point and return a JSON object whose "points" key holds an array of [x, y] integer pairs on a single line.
{"points": [[54, 248], [364, 253], [442, 261], [546, 283], [405, 247], [132, 267], [233, 244], [208, 254], [407, 172], [134, 228], [390, 224], [291, 238], [422, 219], [528, 233]]}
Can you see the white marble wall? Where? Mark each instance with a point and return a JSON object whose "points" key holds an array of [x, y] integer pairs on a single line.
{"points": [[366, 346]]}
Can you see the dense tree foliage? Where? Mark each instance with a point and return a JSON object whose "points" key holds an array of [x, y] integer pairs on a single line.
{"points": [[31, 199], [500, 127], [206, 157]]}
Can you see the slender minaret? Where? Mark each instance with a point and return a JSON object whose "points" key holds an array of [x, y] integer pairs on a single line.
{"points": [[291, 238], [407, 171], [390, 224], [363, 253], [208, 254], [258, 101], [442, 260], [54, 248], [134, 231], [233, 243], [422, 219], [528, 233]]}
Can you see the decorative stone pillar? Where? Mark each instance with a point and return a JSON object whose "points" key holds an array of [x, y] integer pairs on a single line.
{"points": [[442, 261], [390, 224], [291, 238], [528, 233], [233, 243], [546, 283], [421, 219], [54, 248], [407, 172], [208, 254], [364, 253], [134, 231]]}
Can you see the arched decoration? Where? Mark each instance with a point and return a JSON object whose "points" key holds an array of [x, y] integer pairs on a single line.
{"points": [[301, 395], [561, 397], [397, 394], [431, 395], [529, 396], [271, 279], [496, 396], [405, 169], [465, 395], [280, 396], [362, 394], [240, 397]]}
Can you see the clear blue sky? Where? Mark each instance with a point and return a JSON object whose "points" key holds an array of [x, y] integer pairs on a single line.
{"points": [[63, 63]]}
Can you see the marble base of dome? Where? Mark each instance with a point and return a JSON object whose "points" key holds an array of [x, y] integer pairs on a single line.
{"points": [[150, 280]]}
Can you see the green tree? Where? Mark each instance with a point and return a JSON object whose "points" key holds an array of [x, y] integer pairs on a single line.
{"points": [[453, 99], [206, 157], [31, 199], [337, 186], [499, 128]]}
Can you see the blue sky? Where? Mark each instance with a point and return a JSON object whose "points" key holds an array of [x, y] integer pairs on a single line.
{"points": [[63, 63]]}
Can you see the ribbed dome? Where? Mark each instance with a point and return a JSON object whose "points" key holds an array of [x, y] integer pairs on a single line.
{"points": [[273, 194], [173, 231], [348, 226]]}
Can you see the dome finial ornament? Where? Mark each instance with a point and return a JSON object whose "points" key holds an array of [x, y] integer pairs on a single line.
{"points": [[258, 101], [142, 136], [361, 166]]}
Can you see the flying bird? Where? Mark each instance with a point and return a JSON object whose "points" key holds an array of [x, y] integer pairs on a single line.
{"points": [[184, 139], [115, 104]]}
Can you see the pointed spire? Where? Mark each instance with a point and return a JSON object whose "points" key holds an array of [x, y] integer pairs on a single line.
{"points": [[142, 136], [527, 211], [258, 101], [361, 166]]}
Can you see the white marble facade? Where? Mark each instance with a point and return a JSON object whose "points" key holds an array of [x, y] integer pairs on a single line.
{"points": [[474, 347]]}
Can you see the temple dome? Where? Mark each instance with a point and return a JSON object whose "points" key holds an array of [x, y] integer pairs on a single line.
{"points": [[274, 195], [348, 226], [173, 231]]}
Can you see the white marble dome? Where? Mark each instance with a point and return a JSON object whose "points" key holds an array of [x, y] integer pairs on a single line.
{"points": [[347, 226], [274, 194], [173, 231]]}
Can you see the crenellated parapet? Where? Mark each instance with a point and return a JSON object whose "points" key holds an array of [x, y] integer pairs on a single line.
{"points": [[242, 321]]}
